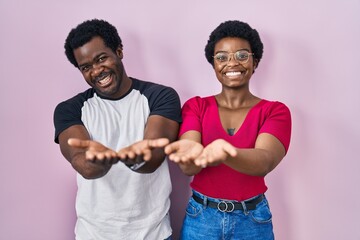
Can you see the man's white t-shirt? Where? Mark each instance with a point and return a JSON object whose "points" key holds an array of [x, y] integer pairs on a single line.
{"points": [[122, 204]]}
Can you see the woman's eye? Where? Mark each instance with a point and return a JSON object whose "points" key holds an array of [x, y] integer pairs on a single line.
{"points": [[221, 57], [242, 56]]}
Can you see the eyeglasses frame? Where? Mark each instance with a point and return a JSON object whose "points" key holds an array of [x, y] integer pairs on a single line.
{"points": [[231, 54]]}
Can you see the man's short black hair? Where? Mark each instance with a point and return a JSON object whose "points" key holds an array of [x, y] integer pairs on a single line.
{"points": [[85, 31], [237, 29]]}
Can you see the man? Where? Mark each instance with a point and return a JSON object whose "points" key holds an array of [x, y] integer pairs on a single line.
{"points": [[116, 200]]}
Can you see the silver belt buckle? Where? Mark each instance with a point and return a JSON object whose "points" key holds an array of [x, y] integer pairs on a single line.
{"points": [[229, 206]]}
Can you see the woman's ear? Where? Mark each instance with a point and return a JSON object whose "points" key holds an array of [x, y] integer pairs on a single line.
{"points": [[256, 63]]}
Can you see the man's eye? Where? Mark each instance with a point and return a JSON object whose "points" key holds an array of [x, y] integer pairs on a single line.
{"points": [[101, 59], [84, 68]]}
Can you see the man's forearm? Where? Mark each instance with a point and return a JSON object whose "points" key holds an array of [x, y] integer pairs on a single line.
{"points": [[87, 168]]}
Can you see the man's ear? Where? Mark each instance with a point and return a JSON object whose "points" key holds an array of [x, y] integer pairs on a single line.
{"points": [[119, 52]]}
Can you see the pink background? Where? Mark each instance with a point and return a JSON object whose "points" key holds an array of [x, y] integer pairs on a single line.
{"points": [[311, 62]]}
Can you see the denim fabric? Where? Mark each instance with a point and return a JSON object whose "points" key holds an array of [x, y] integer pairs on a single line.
{"points": [[202, 222]]}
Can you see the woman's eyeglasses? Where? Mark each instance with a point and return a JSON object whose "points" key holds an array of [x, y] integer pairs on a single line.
{"points": [[242, 56]]}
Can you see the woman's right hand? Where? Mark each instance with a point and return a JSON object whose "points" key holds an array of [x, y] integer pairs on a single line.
{"points": [[183, 151]]}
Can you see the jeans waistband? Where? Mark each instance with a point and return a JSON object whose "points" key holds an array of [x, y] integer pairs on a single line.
{"points": [[229, 206]]}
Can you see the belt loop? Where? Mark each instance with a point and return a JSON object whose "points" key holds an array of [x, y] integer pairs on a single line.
{"points": [[205, 201], [244, 207]]}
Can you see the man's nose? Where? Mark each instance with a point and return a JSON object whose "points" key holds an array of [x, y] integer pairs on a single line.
{"points": [[97, 70]]}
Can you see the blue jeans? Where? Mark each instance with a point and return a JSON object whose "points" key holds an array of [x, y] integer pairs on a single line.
{"points": [[207, 223]]}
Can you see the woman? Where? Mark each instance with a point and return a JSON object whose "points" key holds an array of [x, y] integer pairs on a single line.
{"points": [[229, 142]]}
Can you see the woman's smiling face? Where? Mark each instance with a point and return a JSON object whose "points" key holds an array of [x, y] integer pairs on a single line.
{"points": [[232, 73]]}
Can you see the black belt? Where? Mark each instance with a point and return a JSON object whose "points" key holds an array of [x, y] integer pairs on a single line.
{"points": [[229, 206]]}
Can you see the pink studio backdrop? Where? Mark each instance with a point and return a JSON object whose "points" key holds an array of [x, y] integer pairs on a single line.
{"points": [[310, 63]]}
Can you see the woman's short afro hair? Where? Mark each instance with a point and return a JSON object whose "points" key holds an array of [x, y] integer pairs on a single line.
{"points": [[234, 29], [85, 31]]}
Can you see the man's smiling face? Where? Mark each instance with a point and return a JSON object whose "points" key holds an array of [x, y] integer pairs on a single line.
{"points": [[101, 67]]}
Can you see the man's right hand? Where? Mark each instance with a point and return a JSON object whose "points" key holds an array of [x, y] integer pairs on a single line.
{"points": [[95, 151]]}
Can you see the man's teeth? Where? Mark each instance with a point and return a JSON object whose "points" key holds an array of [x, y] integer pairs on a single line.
{"points": [[105, 80], [232, 73]]}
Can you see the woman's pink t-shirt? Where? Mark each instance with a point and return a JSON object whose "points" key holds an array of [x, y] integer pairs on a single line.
{"points": [[202, 115]]}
